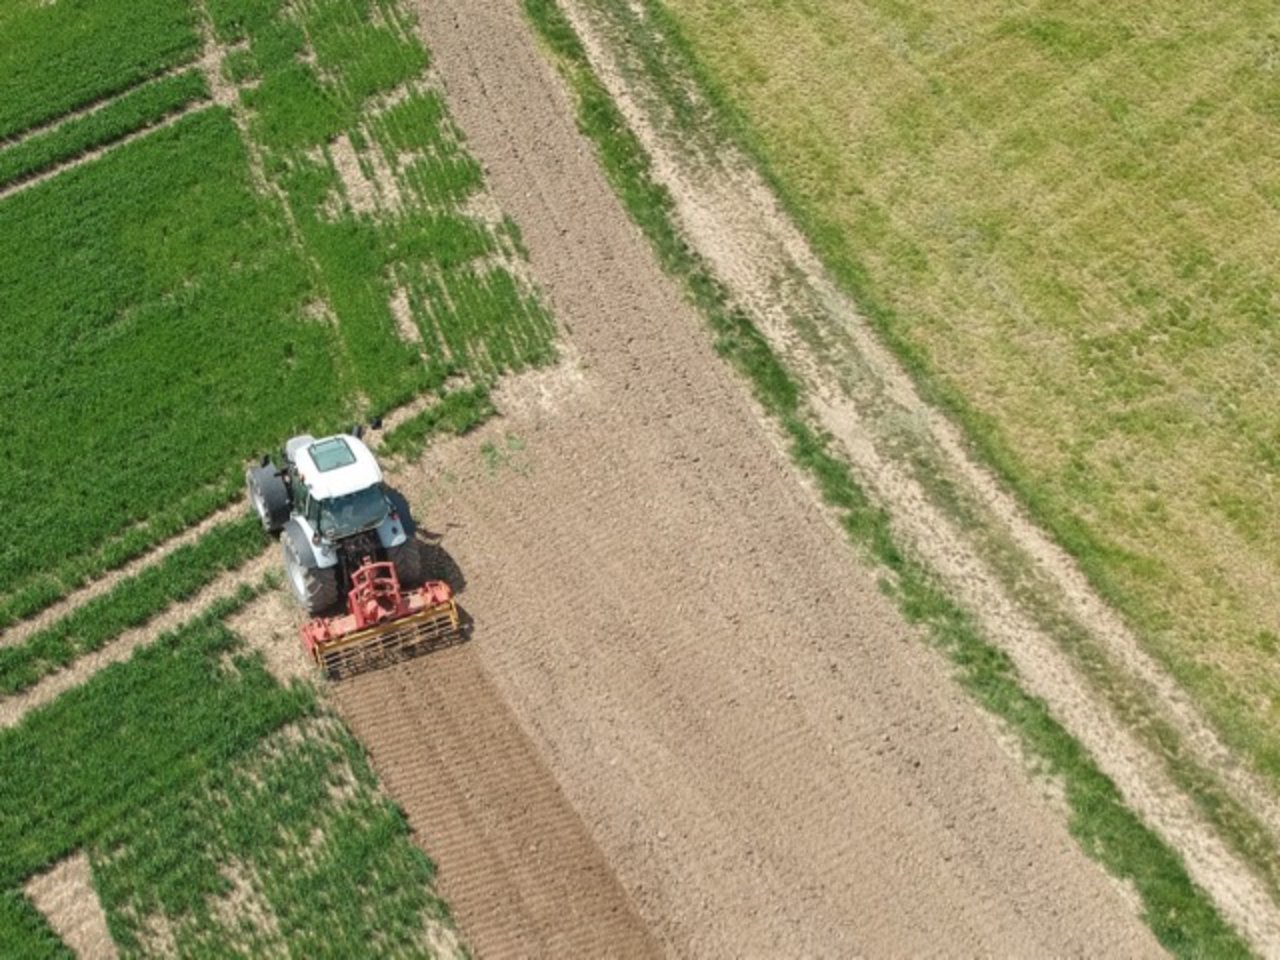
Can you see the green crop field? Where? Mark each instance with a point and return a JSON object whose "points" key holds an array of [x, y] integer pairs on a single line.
{"points": [[208, 798], [141, 107], [221, 223], [191, 297], [1064, 218], [62, 56]]}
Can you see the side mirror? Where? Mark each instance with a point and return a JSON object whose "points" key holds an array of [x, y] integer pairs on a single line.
{"points": [[375, 423], [357, 431], [266, 460]]}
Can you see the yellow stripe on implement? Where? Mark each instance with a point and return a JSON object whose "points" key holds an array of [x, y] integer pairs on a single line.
{"points": [[428, 629]]}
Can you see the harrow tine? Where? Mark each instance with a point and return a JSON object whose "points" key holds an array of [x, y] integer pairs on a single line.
{"points": [[390, 642]]}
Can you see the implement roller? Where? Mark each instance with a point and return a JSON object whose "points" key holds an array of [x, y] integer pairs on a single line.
{"points": [[383, 622]]}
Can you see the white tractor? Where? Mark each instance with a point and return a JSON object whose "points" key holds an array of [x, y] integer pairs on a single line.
{"points": [[333, 513]]}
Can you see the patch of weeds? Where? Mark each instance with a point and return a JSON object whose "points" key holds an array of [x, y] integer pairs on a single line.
{"points": [[499, 456]]}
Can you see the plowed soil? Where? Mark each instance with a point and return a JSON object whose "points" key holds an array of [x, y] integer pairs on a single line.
{"points": [[685, 700], [520, 869]]}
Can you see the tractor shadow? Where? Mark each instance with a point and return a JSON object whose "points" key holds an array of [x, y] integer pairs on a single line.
{"points": [[438, 564]]}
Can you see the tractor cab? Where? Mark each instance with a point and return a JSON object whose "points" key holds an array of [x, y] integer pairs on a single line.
{"points": [[331, 508]]}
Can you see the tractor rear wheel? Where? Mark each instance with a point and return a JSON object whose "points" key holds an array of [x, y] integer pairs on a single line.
{"points": [[408, 562], [269, 497], [315, 588]]}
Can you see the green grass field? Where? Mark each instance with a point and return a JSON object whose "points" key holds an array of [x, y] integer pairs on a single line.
{"points": [[1063, 218]]}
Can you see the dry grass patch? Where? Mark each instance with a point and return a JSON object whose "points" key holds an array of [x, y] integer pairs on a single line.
{"points": [[1059, 217]]}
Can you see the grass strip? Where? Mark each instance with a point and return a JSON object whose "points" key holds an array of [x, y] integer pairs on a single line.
{"points": [[130, 603], [1180, 915], [49, 586], [457, 413], [139, 108]]}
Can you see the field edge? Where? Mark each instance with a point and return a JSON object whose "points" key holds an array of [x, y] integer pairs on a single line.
{"points": [[1178, 912]]}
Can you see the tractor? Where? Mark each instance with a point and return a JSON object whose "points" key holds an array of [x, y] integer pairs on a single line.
{"points": [[345, 535]]}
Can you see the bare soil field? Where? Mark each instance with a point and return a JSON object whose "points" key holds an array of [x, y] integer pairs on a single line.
{"points": [[702, 680], [519, 869]]}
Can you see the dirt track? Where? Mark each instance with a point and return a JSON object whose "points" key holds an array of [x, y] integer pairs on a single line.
{"points": [[673, 641], [64, 894]]}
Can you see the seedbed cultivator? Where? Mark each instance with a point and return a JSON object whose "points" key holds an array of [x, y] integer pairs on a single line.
{"points": [[383, 622]]}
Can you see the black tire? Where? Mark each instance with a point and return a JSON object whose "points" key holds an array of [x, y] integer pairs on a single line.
{"points": [[315, 589], [408, 561], [268, 497]]}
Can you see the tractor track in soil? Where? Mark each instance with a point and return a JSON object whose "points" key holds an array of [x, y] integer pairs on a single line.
{"points": [[673, 642], [519, 869]]}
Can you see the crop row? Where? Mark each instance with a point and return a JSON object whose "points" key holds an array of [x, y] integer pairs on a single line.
{"points": [[131, 603], [57, 57], [46, 586], [441, 172], [139, 108], [456, 413]]}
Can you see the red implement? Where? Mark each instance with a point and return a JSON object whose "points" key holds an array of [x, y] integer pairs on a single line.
{"points": [[382, 622]]}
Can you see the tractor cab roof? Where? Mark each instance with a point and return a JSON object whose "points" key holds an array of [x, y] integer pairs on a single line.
{"points": [[336, 466]]}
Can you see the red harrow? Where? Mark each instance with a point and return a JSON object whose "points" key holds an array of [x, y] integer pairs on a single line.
{"points": [[382, 622]]}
